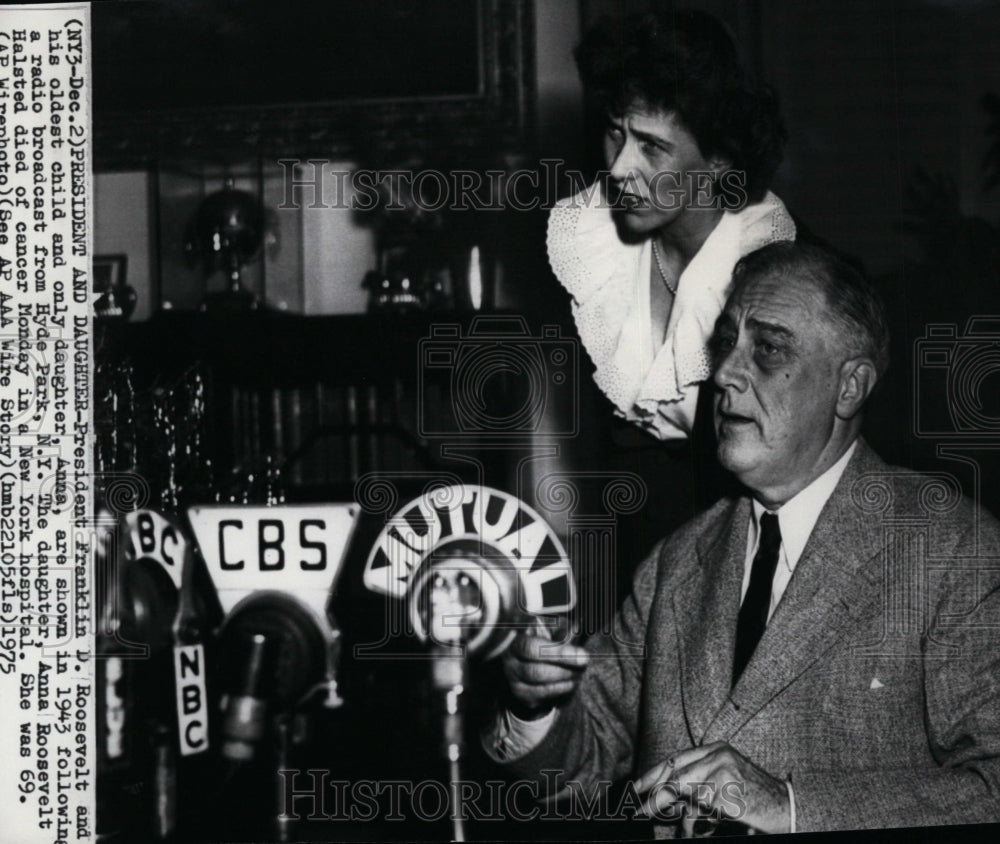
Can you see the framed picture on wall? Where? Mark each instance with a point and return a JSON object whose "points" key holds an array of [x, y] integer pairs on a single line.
{"points": [[297, 77]]}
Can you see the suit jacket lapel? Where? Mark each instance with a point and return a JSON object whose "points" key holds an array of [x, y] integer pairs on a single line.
{"points": [[706, 605], [835, 580]]}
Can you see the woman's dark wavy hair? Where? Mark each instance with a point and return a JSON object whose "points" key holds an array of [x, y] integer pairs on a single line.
{"points": [[685, 62]]}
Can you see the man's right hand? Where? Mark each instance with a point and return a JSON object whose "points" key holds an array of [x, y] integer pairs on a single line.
{"points": [[540, 671]]}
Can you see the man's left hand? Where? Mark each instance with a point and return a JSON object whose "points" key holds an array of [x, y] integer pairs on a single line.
{"points": [[716, 781]]}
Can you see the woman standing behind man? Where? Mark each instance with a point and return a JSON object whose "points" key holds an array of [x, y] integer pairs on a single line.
{"points": [[690, 145]]}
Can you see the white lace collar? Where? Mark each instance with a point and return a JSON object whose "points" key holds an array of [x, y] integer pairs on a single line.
{"points": [[655, 387]]}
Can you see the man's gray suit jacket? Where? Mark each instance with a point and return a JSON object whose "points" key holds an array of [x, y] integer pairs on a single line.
{"points": [[875, 689]]}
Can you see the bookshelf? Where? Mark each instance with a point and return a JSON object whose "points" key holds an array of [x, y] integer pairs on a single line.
{"points": [[327, 399]]}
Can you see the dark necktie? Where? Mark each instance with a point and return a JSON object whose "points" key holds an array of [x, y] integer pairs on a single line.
{"points": [[753, 612]]}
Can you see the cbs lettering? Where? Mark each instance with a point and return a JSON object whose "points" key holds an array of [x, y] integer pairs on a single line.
{"points": [[271, 547]]}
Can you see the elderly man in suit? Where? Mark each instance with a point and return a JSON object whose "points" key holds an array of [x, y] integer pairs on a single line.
{"points": [[820, 653]]}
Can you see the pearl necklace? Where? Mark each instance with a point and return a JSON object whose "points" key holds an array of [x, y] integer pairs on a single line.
{"points": [[659, 265]]}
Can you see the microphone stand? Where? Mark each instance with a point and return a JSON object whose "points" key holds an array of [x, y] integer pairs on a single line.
{"points": [[449, 679]]}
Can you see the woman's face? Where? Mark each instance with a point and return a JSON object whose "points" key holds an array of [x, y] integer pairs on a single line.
{"points": [[658, 175]]}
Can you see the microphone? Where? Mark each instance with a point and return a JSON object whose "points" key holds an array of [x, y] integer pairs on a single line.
{"points": [[245, 721], [463, 603], [465, 600], [475, 566]]}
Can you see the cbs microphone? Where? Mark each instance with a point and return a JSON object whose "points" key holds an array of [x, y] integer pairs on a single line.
{"points": [[245, 721]]}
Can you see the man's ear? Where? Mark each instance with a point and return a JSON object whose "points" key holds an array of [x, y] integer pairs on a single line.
{"points": [[857, 380]]}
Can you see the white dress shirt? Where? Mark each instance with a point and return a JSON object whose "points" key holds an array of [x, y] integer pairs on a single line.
{"points": [[796, 520], [511, 738]]}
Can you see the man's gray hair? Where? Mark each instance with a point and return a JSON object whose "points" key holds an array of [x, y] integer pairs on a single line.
{"points": [[851, 300]]}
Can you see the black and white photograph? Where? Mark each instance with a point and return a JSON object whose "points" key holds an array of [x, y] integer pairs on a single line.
{"points": [[507, 420]]}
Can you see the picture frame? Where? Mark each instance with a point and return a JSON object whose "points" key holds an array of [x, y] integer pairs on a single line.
{"points": [[493, 103]]}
